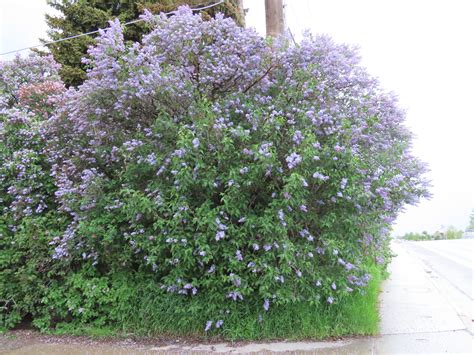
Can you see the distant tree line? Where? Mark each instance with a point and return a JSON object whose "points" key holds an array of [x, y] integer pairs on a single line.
{"points": [[450, 233]]}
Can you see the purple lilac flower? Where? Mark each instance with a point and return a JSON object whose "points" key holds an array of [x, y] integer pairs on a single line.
{"points": [[303, 208], [238, 255], [179, 153], [195, 143], [220, 235], [330, 300], [333, 286], [247, 151], [281, 217], [319, 176], [208, 325], [264, 149], [343, 183], [237, 281], [293, 160], [219, 323], [235, 295], [151, 159], [266, 304], [298, 137]]}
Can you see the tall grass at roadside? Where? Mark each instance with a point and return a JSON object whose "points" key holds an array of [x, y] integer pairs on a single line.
{"points": [[357, 314]]}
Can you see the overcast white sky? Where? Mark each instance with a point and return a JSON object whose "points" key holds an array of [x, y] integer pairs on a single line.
{"points": [[421, 49]]}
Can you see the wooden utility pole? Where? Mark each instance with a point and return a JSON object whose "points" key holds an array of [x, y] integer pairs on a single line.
{"points": [[274, 17], [240, 11]]}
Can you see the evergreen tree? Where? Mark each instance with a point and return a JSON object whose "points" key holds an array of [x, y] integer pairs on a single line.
{"points": [[82, 16]]}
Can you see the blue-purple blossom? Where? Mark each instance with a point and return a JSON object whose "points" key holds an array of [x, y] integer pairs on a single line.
{"points": [[266, 304], [238, 255], [298, 137], [293, 160], [319, 176], [220, 235], [281, 217], [235, 295]]}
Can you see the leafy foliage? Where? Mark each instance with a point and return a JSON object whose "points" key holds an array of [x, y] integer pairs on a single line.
{"points": [[207, 176]]}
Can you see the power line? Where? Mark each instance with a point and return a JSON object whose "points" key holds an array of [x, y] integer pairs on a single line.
{"points": [[97, 31]]}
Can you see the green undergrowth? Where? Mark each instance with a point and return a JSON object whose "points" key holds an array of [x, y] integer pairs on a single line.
{"points": [[150, 313]]}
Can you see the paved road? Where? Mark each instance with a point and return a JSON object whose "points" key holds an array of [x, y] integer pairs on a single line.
{"points": [[452, 260], [450, 264]]}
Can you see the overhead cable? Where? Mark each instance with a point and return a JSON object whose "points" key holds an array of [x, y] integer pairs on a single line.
{"points": [[97, 31]]}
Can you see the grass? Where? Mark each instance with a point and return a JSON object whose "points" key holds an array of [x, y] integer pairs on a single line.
{"points": [[354, 315], [150, 315]]}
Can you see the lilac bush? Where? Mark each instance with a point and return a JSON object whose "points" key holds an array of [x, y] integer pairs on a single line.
{"points": [[229, 169], [29, 89]]}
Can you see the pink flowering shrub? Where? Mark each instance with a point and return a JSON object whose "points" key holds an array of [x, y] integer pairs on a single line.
{"points": [[230, 169]]}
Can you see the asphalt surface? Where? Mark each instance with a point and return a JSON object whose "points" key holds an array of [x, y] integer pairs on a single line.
{"points": [[451, 259], [450, 265]]}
